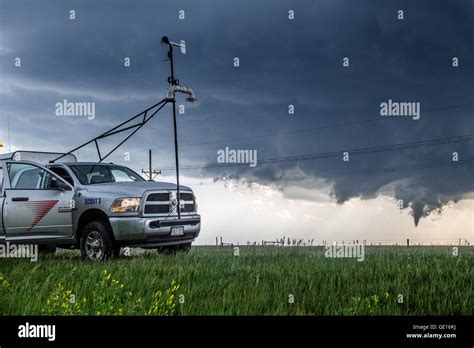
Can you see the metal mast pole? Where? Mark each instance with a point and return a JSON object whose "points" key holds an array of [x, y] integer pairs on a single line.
{"points": [[172, 81]]}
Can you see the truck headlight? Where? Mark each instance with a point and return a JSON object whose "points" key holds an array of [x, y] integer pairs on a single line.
{"points": [[125, 205]]}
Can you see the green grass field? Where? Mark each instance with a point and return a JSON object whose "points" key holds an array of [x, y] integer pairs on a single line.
{"points": [[261, 281]]}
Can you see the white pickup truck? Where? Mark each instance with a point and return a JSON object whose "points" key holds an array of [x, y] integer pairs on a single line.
{"points": [[96, 207]]}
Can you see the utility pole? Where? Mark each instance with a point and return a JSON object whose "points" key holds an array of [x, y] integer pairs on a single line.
{"points": [[151, 172]]}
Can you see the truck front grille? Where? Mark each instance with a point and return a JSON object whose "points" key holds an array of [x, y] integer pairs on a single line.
{"points": [[165, 203], [158, 197], [184, 196], [157, 209], [188, 208]]}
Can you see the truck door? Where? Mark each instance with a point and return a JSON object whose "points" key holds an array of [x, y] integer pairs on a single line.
{"points": [[37, 204]]}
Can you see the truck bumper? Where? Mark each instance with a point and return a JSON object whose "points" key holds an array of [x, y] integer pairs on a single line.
{"points": [[154, 231]]}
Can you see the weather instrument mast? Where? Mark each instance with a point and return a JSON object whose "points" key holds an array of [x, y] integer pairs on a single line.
{"points": [[175, 87], [138, 121]]}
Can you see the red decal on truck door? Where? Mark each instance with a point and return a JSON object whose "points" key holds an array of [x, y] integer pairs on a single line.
{"points": [[40, 209]]}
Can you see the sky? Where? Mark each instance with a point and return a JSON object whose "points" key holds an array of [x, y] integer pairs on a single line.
{"points": [[291, 55]]}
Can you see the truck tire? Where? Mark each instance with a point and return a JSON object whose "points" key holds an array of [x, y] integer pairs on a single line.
{"points": [[96, 244], [47, 248]]}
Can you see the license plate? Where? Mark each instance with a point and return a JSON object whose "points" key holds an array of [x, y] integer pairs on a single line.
{"points": [[177, 231]]}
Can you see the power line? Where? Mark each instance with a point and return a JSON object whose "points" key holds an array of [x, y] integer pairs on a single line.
{"points": [[360, 151], [304, 130], [336, 125]]}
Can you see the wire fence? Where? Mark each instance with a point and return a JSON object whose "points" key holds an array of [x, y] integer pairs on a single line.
{"points": [[299, 242]]}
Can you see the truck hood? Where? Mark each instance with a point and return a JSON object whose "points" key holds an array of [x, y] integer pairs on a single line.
{"points": [[133, 189]]}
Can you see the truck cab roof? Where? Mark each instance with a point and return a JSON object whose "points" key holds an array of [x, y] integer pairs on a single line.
{"points": [[88, 164], [37, 156]]}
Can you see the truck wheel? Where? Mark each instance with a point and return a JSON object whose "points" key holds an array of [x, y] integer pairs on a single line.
{"points": [[96, 244], [47, 248]]}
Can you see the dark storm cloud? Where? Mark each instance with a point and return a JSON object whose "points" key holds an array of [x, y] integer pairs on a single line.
{"points": [[282, 62]]}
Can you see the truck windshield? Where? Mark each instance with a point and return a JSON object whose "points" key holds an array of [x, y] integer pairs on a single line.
{"points": [[100, 174]]}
